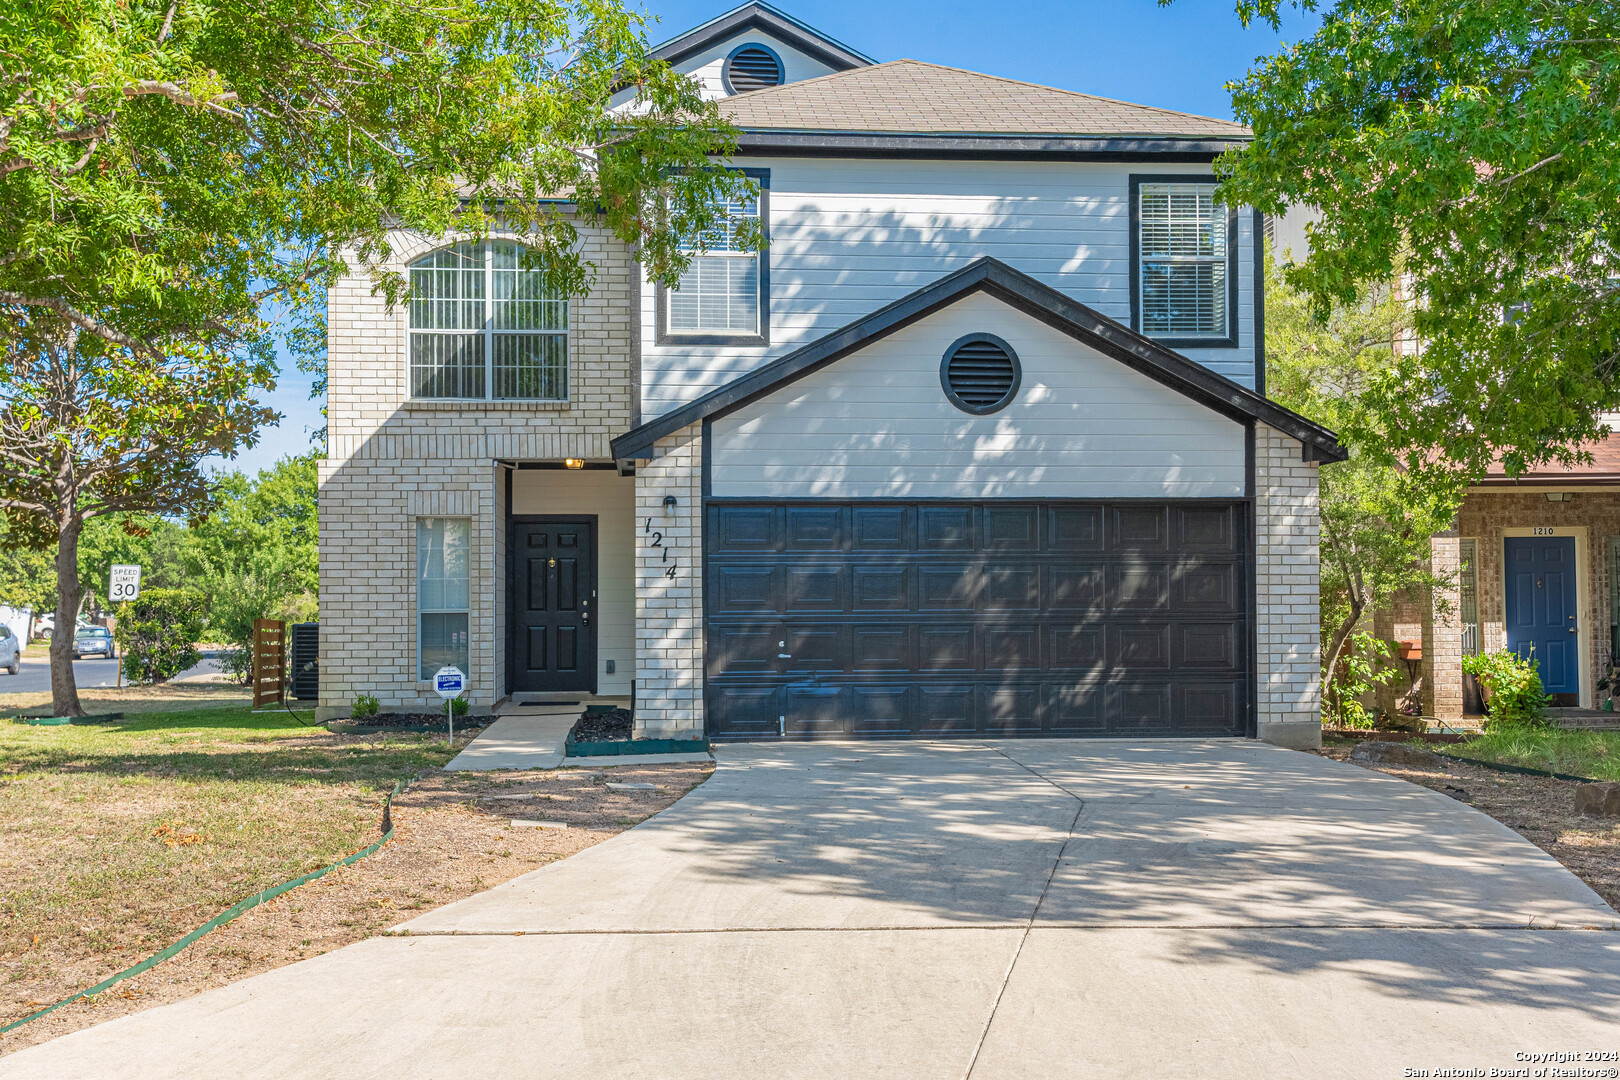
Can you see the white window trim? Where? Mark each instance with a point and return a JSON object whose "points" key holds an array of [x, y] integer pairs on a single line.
{"points": [[488, 333]]}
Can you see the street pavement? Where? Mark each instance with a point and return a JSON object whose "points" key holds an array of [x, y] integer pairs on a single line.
{"points": [[989, 910], [91, 673]]}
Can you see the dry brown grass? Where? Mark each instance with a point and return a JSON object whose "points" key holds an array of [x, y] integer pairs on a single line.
{"points": [[165, 697], [450, 842]]}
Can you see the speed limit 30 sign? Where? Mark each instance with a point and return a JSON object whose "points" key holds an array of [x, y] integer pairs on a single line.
{"points": [[125, 583]]}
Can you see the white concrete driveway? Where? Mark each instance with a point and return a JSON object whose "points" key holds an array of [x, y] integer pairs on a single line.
{"points": [[928, 910]]}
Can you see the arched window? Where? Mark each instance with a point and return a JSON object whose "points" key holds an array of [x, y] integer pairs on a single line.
{"points": [[484, 326]]}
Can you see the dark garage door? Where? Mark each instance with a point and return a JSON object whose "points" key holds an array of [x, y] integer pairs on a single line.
{"points": [[872, 619]]}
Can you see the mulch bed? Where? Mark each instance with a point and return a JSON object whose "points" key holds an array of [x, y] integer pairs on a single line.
{"points": [[1539, 808], [415, 719], [612, 726], [452, 838]]}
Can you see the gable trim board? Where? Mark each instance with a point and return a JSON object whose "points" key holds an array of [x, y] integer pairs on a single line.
{"points": [[767, 19], [1024, 293], [970, 147]]}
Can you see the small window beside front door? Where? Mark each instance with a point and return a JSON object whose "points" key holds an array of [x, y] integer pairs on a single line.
{"points": [[443, 593]]}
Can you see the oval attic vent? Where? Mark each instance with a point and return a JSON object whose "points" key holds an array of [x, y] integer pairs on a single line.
{"points": [[752, 67], [980, 373]]}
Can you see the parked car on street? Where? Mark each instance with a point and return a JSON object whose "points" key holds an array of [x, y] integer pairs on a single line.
{"points": [[10, 651], [93, 641]]}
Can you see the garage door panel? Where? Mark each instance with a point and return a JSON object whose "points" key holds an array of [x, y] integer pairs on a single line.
{"points": [[947, 710], [813, 588], [880, 528], [945, 528], [1074, 528], [880, 710], [1140, 647], [1138, 586], [1139, 528], [745, 590], [1204, 587], [743, 530], [947, 588], [1012, 710], [1012, 528], [1011, 588], [815, 710], [883, 587], [1207, 645], [1205, 528], [1080, 586], [743, 650], [945, 648], [1012, 648], [1075, 650], [955, 619], [884, 648], [815, 528], [1075, 709], [1139, 708]]}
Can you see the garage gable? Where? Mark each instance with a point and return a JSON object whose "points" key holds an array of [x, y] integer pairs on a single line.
{"points": [[1017, 291], [883, 423]]}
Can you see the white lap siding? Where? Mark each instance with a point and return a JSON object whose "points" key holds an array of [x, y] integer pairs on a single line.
{"points": [[851, 235], [877, 424]]}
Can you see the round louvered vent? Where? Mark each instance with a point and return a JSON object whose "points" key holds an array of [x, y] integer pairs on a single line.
{"points": [[980, 373], [752, 67]]}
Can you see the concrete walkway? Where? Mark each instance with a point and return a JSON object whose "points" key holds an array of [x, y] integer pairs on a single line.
{"points": [[997, 910]]}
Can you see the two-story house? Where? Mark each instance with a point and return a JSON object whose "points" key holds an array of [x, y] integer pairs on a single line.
{"points": [[977, 444]]}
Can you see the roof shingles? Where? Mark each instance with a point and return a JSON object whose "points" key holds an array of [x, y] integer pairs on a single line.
{"points": [[913, 97]]}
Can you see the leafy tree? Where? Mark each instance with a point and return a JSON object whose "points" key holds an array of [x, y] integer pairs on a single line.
{"points": [[89, 430], [168, 168], [1473, 149], [1376, 515]]}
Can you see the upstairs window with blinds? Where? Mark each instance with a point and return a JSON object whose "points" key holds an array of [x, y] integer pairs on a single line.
{"points": [[719, 296], [1183, 262], [484, 326]]}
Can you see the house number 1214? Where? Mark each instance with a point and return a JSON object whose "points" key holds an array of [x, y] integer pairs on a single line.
{"points": [[657, 541]]}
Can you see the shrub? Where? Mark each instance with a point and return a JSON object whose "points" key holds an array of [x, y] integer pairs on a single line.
{"points": [[365, 707], [158, 633], [1513, 686], [458, 706]]}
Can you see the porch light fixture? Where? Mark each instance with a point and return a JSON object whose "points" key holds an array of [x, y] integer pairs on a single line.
{"points": [[573, 463], [669, 504]]}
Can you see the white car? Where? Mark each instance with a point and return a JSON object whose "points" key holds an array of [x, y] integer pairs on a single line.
{"points": [[10, 651]]}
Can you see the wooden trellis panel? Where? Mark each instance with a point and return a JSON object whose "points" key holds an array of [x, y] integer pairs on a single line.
{"points": [[269, 662]]}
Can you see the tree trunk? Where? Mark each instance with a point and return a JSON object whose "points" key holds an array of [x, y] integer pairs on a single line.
{"points": [[1336, 648], [64, 691]]}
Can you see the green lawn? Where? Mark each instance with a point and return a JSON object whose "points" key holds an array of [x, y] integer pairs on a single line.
{"points": [[117, 838], [1579, 753]]}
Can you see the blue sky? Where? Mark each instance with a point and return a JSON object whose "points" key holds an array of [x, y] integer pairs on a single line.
{"points": [[1175, 57]]}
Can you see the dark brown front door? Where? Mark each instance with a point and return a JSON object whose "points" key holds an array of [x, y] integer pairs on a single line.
{"points": [[553, 605]]}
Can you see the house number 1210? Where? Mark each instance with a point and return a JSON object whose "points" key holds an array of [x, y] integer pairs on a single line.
{"points": [[657, 541]]}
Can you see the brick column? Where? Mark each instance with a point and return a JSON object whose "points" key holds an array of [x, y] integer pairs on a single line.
{"points": [[669, 607], [1287, 591], [1442, 631]]}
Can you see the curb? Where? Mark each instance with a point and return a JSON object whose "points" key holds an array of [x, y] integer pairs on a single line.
{"points": [[241, 907]]}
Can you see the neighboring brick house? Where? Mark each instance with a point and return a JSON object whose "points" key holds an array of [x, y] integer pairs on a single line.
{"points": [[978, 443], [1534, 563]]}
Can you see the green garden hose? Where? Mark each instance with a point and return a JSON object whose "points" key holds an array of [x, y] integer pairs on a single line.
{"points": [[226, 916]]}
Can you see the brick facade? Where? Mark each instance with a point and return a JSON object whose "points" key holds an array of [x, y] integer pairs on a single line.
{"points": [[669, 606], [1488, 516], [1287, 590], [392, 460]]}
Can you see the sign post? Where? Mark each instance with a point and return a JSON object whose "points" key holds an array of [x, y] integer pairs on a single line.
{"points": [[450, 683]]}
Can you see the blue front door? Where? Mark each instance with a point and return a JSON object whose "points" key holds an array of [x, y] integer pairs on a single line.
{"points": [[1541, 619]]}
